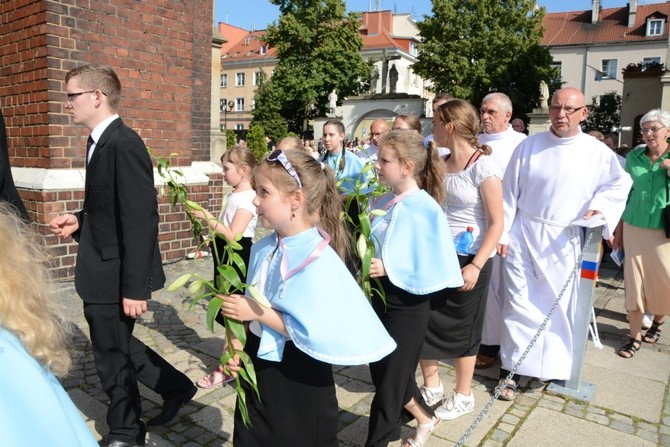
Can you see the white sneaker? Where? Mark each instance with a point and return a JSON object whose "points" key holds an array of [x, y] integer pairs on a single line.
{"points": [[432, 395], [457, 405]]}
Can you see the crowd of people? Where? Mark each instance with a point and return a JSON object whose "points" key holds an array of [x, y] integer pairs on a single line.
{"points": [[473, 242]]}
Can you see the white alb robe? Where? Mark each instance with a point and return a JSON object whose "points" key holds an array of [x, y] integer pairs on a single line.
{"points": [[502, 144], [550, 182]]}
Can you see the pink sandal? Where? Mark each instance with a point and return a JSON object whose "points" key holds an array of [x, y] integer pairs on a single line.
{"points": [[214, 379]]}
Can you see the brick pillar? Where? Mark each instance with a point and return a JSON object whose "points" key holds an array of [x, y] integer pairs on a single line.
{"points": [[161, 50]]}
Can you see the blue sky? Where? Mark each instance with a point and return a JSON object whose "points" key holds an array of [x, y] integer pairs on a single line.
{"points": [[258, 14]]}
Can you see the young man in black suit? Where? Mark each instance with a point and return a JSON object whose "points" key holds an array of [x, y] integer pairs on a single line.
{"points": [[8, 190], [118, 260]]}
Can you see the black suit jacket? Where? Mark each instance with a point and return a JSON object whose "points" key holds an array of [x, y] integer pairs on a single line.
{"points": [[8, 190], [118, 253]]}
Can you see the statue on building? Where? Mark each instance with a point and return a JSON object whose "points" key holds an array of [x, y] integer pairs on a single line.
{"points": [[332, 104], [544, 95], [393, 79], [374, 78]]}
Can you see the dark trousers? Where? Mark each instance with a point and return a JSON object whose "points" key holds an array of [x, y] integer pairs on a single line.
{"points": [[121, 361], [405, 317]]}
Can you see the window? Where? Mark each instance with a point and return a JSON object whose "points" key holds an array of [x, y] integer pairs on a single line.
{"points": [[264, 49], [222, 105], [655, 27], [609, 68], [239, 126], [257, 76], [253, 103], [239, 104], [651, 60], [413, 49], [558, 68], [224, 80], [239, 79]]}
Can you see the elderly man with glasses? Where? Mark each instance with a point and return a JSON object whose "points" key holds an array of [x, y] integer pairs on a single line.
{"points": [[553, 178]]}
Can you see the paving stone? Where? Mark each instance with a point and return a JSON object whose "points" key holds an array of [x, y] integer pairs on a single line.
{"points": [[646, 434], [600, 419], [631, 405], [626, 428]]}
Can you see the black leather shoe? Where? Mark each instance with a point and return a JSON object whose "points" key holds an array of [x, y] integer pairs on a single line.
{"points": [[171, 407], [106, 441]]}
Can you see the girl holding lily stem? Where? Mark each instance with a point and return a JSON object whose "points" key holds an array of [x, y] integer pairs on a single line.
{"points": [[474, 202], [308, 311], [237, 218], [411, 239]]}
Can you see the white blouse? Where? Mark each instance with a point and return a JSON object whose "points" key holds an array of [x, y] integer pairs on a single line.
{"points": [[463, 204]]}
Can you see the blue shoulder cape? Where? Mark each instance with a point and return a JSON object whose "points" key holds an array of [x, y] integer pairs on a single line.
{"points": [[325, 312], [35, 410], [417, 249]]}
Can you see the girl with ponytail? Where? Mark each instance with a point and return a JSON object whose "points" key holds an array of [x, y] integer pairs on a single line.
{"points": [[312, 315], [346, 165], [414, 260], [473, 203]]}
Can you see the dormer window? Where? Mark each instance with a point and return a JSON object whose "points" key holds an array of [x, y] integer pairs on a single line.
{"points": [[655, 27], [413, 50], [264, 49]]}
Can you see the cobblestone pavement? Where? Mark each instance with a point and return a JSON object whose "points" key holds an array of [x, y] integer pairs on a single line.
{"points": [[631, 405]]}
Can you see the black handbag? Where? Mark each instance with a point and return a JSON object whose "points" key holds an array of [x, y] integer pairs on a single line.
{"points": [[666, 210]]}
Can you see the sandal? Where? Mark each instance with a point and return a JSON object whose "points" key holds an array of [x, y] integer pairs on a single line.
{"points": [[653, 333], [422, 434], [214, 379], [484, 361], [507, 385], [628, 350]]}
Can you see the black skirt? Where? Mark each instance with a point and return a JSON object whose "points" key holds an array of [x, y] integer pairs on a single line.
{"points": [[405, 317], [457, 319], [298, 406]]}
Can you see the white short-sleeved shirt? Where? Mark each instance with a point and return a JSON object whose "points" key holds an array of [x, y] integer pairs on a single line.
{"points": [[464, 205], [240, 201]]}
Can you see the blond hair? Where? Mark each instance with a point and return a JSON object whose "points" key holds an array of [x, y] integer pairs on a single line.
{"points": [[465, 119], [240, 156], [98, 77], [428, 168], [27, 306], [291, 143], [322, 204]]}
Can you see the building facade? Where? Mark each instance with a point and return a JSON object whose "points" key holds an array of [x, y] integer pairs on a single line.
{"points": [[592, 47], [389, 42]]}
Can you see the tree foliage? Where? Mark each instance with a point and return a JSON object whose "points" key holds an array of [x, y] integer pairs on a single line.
{"points": [[267, 110], [231, 138], [604, 114], [319, 50], [474, 47], [256, 141]]}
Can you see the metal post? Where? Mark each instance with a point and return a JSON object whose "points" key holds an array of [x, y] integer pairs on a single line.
{"points": [[574, 387]]}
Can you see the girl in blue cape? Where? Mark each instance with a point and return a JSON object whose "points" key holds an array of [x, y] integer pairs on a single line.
{"points": [[415, 259], [35, 410], [346, 165], [318, 315]]}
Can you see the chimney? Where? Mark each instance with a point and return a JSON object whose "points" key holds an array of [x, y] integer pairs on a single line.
{"points": [[595, 10], [632, 9]]}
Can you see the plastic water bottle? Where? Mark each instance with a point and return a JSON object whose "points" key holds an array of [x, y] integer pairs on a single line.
{"points": [[464, 242]]}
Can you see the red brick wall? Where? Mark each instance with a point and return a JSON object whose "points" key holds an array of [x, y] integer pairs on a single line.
{"points": [[161, 50]]}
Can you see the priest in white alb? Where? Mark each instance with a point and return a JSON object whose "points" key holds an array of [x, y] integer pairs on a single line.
{"points": [[553, 178]]}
